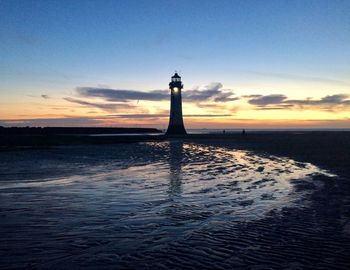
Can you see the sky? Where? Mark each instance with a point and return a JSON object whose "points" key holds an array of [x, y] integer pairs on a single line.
{"points": [[244, 64]]}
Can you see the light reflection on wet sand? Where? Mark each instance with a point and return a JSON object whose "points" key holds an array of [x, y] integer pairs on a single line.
{"points": [[128, 199]]}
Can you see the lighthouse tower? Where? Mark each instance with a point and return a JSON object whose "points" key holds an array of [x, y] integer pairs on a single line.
{"points": [[176, 124]]}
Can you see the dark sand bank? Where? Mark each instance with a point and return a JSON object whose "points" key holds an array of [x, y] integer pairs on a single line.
{"points": [[30, 137], [179, 203], [73, 130], [18, 142], [329, 149], [316, 234]]}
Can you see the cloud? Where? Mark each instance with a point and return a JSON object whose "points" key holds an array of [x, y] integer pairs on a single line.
{"points": [[267, 100], [109, 107], [278, 102], [45, 96], [213, 92]]}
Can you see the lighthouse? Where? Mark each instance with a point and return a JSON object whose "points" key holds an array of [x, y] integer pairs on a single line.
{"points": [[176, 124]]}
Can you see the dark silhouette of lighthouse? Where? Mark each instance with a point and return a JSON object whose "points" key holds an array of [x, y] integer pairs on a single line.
{"points": [[176, 124]]}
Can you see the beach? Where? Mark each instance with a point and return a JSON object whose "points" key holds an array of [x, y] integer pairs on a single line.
{"points": [[268, 200], [174, 135]]}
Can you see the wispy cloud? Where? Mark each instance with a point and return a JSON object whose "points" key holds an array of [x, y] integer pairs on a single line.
{"points": [[115, 119], [338, 99], [123, 95], [152, 116], [109, 107], [45, 96], [300, 78], [271, 108], [207, 115], [63, 121]]}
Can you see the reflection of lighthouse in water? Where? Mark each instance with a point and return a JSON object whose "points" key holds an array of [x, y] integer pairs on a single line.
{"points": [[175, 163], [176, 124]]}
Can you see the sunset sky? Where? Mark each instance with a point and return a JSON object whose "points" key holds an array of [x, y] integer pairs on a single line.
{"points": [[244, 64]]}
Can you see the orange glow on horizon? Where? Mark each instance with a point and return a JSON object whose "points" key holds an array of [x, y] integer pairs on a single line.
{"points": [[57, 111]]}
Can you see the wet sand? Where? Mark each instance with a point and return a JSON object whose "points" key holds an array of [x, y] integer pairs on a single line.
{"points": [[249, 203]]}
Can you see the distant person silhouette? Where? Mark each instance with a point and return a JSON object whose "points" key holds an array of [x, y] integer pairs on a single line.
{"points": [[243, 132]]}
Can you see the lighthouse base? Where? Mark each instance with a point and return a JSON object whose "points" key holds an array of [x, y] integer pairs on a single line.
{"points": [[176, 130]]}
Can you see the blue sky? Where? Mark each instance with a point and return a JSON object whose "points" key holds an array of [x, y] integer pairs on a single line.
{"points": [[52, 47]]}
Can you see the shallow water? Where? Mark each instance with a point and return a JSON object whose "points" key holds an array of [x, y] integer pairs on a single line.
{"points": [[112, 205]]}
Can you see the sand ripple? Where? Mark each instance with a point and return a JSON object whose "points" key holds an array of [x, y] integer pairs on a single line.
{"points": [[160, 205]]}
